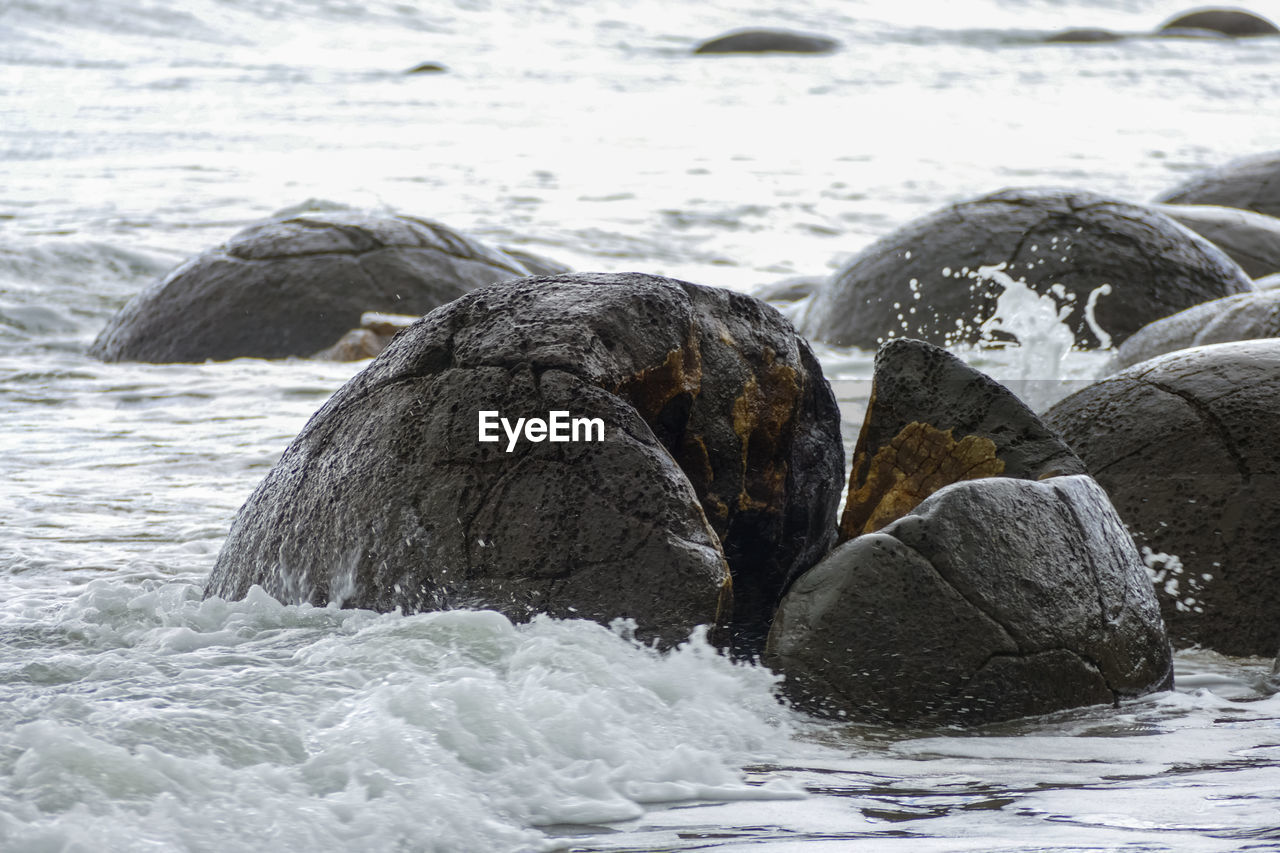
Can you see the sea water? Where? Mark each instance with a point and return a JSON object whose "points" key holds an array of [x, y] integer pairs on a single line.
{"points": [[134, 133]]}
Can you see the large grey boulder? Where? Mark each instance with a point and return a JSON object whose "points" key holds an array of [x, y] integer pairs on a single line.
{"points": [[1186, 445], [1243, 317], [1250, 239], [292, 287], [922, 281], [1249, 183], [720, 454], [994, 599]]}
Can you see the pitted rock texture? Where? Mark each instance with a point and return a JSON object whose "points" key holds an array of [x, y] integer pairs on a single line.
{"points": [[993, 599], [721, 443], [1249, 183], [934, 420], [768, 41], [1186, 445], [1250, 239], [1243, 317], [921, 281], [1230, 22], [291, 287]]}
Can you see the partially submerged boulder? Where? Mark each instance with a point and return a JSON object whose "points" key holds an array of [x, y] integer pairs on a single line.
{"points": [[933, 420], [926, 280], [1249, 183], [1230, 22], [1187, 447], [982, 576], [720, 453], [1243, 317], [768, 41], [375, 332], [1250, 239], [994, 599], [291, 287], [1084, 35]]}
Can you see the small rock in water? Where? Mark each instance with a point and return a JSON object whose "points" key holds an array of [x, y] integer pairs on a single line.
{"points": [[768, 41], [918, 282], [1186, 445], [375, 332], [1084, 35], [427, 68], [1230, 22]]}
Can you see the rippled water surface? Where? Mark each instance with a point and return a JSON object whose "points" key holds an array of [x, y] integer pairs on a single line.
{"points": [[134, 716]]}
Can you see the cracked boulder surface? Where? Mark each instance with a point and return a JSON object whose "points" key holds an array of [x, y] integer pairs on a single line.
{"points": [[1248, 183], [1186, 445], [1250, 239], [921, 281], [993, 599], [719, 473], [1243, 317], [1230, 22], [933, 420], [292, 287]]}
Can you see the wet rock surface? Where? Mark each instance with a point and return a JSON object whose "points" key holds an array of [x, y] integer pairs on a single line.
{"points": [[1243, 317], [922, 281], [1250, 239], [1249, 183], [767, 41], [1230, 22], [993, 599], [1186, 446], [933, 420], [721, 454], [291, 287]]}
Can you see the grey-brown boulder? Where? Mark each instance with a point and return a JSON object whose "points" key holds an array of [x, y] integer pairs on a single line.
{"points": [[767, 41], [292, 287], [924, 281], [1230, 22], [1186, 446], [720, 458]]}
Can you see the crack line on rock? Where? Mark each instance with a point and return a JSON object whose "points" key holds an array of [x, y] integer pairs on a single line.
{"points": [[1211, 419]]}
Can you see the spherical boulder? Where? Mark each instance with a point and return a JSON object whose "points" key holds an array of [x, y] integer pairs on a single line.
{"points": [[995, 598], [1249, 183], [767, 41], [1186, 446], [1231, 22], [1250, 239], [1243, 317], [292, 287], [718, 456], [1115, 265]]}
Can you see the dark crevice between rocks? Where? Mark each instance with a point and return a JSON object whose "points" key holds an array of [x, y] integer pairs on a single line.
{"points": [[1211, 419]]}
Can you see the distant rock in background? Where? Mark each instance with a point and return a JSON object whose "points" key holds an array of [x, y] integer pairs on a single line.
{"points": [[1084, 35], [1186, 445], [922, 280], [427, 68], [1230, 22], [292, 287], [1250, 239], [768, 41], [368, 341], [1249, 183]]}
